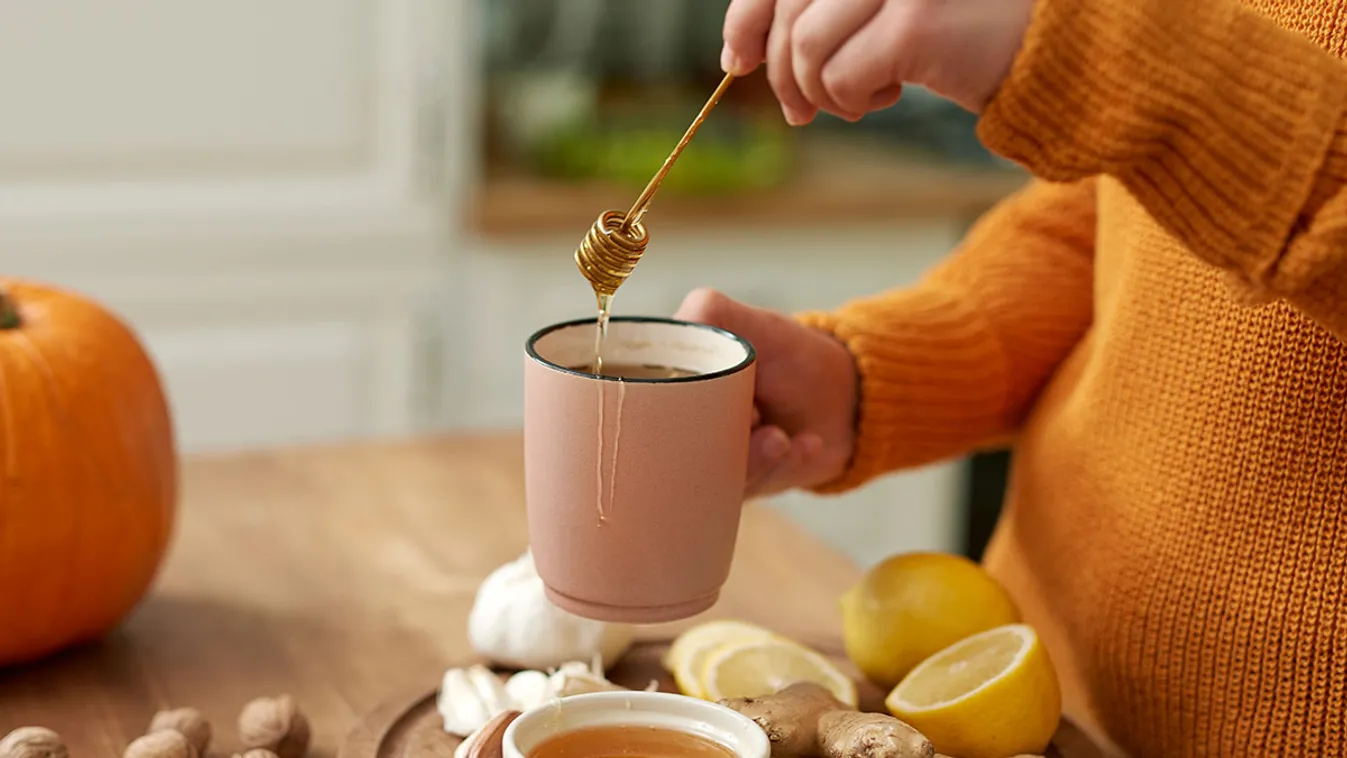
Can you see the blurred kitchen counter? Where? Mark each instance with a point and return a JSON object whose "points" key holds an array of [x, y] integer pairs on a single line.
{"points": [[835, 182]]}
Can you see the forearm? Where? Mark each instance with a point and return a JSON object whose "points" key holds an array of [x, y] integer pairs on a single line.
{"points": [[1227, 129], [955, 362]]}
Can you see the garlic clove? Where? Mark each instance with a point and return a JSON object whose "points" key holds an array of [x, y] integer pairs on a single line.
{"points": [[529, 689], [567, 683], [460, 704], [575, 667], [490, 689], [487, 741]]}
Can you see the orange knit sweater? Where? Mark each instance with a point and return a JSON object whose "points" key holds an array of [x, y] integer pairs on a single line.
{"points": [[1157, 325]]}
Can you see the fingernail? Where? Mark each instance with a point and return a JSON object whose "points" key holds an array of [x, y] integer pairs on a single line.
{"points": [[728, 62], [792, 116], [776, 445]]}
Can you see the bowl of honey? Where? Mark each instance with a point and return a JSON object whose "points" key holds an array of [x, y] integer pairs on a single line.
{"points": [[634, 724]]}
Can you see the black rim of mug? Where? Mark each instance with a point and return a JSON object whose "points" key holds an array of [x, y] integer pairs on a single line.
{"points": [[750, 355]]}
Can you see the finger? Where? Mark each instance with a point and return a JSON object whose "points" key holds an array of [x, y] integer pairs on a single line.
{"points": [[794, 106], [707, 306], [757, 417], [788, 472], [768, 446], [746, 25], [819, 32], [869, 65], [886, 98]]}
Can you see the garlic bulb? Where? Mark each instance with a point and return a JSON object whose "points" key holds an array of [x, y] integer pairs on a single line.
{"points": [[514, 624]]}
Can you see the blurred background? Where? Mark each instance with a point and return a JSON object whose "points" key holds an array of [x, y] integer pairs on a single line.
{"points": [[335, 220]]}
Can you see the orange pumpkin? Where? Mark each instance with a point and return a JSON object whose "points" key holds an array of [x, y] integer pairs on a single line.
{"points": [[88, 471]]}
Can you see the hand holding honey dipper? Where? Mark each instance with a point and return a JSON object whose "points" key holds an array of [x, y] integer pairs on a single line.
{"points": [[852, 57]]}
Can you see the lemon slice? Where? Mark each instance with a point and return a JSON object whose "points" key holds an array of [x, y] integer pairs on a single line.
{"points": [[755, 668], [687, 655], [990, 695]]}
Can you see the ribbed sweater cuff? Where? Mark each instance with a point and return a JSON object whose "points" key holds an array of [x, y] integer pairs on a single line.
{"points": [[1214, 118], [925, 363]]}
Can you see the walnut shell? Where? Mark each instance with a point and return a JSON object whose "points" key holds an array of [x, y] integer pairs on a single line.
{"points": [[166, 743], [33, 742], [276, 724], [187, 721]]}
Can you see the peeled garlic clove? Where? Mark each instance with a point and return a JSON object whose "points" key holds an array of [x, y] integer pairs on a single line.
{"points": [[490, 689], [460, 704], [529, 689], [574, 667], [567, 683]]}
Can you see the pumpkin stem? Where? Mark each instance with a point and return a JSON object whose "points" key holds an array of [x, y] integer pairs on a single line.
{"points": [[9, 315]]}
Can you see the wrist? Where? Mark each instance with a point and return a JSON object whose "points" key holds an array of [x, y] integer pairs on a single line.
{"points": [[841, 375]]}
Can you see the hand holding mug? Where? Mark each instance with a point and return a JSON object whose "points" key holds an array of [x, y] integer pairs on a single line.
{"points": [[805, 395]]}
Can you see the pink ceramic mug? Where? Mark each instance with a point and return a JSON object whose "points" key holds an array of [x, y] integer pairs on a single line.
{"points": [[635, 486]]}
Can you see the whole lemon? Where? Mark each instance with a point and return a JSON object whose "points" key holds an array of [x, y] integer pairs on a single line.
{"points": [[910, 606]]}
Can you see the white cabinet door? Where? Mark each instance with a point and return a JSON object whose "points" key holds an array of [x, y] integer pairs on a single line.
{"points": [[256, 186]]}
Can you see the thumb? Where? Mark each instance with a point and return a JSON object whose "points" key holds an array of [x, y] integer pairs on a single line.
{"points": [[708, 306]]}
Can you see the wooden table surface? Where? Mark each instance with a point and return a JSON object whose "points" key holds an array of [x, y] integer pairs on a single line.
{"points": [[344, 576]]}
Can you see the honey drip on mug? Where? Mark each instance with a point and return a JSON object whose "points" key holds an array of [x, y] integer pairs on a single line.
{"points": [[603, 505], [601, 331], [600, 336]]}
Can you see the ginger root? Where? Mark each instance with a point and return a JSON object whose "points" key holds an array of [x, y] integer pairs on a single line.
{"points": [[805, 720]]}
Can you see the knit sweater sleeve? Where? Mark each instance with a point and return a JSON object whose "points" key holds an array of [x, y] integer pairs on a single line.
{"points": [[954, 362], [1228, 129]]}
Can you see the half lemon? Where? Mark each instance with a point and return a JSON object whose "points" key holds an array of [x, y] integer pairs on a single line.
{"points": [[991, 695]]}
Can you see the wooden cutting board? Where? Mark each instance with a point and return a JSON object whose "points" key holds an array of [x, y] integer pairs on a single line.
{"points": [[411, 727]]}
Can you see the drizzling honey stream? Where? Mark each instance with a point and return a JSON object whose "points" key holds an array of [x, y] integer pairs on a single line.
{"points": [[615, 243]]}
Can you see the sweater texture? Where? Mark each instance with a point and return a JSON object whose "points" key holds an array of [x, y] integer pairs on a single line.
{"points": [[1157, 325]]}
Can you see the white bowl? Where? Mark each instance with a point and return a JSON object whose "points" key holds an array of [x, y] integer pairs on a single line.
{"points": [[658, 709]]}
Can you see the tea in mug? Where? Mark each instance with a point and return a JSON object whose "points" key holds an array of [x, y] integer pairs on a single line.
{"points": [[636, 371]]}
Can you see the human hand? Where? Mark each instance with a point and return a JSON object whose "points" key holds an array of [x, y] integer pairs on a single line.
{"points": [[851, 57], [805, 399]]}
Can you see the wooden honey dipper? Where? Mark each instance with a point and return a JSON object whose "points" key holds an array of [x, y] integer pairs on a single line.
{"points": [[613, 246]]}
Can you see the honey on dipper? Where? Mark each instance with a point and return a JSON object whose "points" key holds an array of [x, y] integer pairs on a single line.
{"points": [[614, 244]]}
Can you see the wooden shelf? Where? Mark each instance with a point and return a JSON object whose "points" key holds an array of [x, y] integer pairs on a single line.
{"points": [[836, 183]]}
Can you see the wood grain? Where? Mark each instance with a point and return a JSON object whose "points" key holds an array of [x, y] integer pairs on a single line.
{"points": [[343, 575]]}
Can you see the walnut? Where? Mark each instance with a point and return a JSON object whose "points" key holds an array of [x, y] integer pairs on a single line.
{"points": [[33, 742], [275, 724], [187, 721], [166, 743]]}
